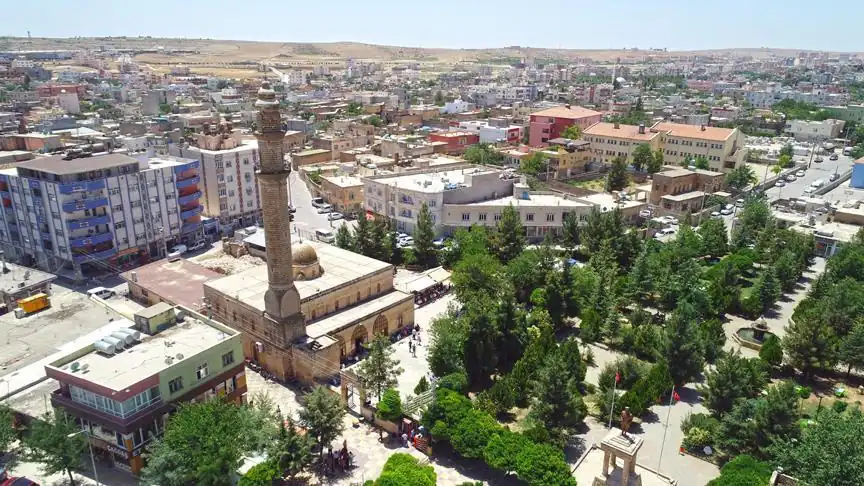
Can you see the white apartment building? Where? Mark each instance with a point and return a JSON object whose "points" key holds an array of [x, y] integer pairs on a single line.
{"points": [[489, 133], [68, 102], [100, 212], [230, 190], [457, 106], [814, 130]]}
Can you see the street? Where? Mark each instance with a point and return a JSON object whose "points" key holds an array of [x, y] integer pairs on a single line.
{"points": [[817, 171], [306, 218]]}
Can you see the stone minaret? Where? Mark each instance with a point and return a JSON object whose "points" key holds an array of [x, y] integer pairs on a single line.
{"points": [[281, 302]]}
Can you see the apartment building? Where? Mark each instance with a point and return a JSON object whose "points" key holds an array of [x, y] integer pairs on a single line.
{"points": [[611, 140], [230, 191], [122, 388], [103, 210], [671, 186], [723, 147], [550, 123], [814, 130], [344, 193], [489, 133], [455, 142], [567, 158]]}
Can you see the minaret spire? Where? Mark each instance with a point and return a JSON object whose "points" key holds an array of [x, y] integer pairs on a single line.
{"points": [[281, 301]]}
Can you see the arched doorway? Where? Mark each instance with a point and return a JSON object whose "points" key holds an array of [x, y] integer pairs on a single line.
{"points": [[359, 337], [380, 327]]}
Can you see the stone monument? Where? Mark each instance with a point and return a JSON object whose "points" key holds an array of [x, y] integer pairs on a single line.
{"points": [[619, 445]]}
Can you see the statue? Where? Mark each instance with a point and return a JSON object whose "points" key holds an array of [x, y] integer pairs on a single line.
{"points": [[626, 420]]}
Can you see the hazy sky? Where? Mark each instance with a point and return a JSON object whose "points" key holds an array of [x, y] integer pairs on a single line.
{"points": [[597, 24]]}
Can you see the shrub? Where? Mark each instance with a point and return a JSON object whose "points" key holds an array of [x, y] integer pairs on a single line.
{"points": [[405, 470], [803, 392], [630, 368], [839, 406], [701, 421], [697, 439], [263, 474], [743, 471], [502, 395], [422, 386], [390, 406], [646, 342], [589, 356], [457, 382], [471, 435], [772, 351]]}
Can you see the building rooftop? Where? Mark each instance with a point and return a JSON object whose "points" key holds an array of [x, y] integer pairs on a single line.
{"points": [[311, 152], [432, 182], [344, 181], [55, 164], [18, 278], [685, 196], [165, 161], [535, 200], [145, 358], [176, 280], [631, 132], [694, 131], [607, 202], [563, 112], [339, 266], [344, 318]]}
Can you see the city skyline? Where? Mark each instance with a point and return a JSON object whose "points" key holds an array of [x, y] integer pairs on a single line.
{"points": [[676, 25]]}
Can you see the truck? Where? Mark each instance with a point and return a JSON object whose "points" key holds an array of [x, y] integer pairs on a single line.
{"points": [[32, 304]]}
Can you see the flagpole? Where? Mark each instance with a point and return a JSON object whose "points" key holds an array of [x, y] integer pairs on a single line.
{"points": [[612, 408], [666, 428]]}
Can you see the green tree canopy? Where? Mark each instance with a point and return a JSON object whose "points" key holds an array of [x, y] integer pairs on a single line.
{"points": [[424, 236], [642, 156], [56, 444], [534, 164], [379, 371], [322, 416], [654, 165], [509, 237], [616, 178], [743, 471], [732, 379], [405, 470], [741, 177], [573, 132], [483, 154], [390, 406]]}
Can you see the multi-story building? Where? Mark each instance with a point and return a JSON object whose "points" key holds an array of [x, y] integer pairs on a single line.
{"points": [[723, 147], [105, 209], [611, 140], [567, 158], [550, 123], [122, 388], [230, 193], [456, 142], [814, 130], [344, 193], [488, 133], [152, 101], [676, 182]]}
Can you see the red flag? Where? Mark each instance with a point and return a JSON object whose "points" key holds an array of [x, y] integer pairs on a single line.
{"points": [[617, 377], [676, 396]]}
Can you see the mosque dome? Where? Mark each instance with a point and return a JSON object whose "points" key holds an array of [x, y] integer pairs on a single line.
{"points": [[303, 254]]}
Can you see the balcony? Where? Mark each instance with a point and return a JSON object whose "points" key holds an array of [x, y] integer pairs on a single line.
{"points": [[191, 212], [84, 204], [91, 239], [82, 187], [183, 168], [188, 182], [99, 255], [184, 200], [119, 423], [87, 222]]}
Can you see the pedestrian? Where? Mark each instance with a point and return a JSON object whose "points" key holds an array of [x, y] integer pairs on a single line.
{"points": [[411, 347]]}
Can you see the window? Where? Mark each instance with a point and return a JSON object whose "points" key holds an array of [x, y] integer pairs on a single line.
{"points": [[231, 193], [245, 161], [497, 217], [228, 165], [248, 204], [228, 358], [175, 385], [529, 217], [223, 206], [136, 204], [550, 217], [219, 164], [201, 373], [118, 208], [230, 178], [481, 217], [114, 191], [220, 178], [223, 192], [120, 225], [466, 216]]}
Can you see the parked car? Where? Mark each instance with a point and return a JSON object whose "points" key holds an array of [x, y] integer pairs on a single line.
{"points": [[665, 232], [818, 160], [809, 190], [716, 214], [198, 245], [833, 177], [405, 242], [791, 178], [726, 211], [101, 292], [292, 209], [334, 216], [439, 243], [318, 202], [730, 207], [779, 183], [800, 173], [325, 235], [326, 208], [739, 203], [176, 251], [833, 157]]}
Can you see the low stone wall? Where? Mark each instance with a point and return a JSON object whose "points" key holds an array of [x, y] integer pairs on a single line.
{"points": [[386, 425]]}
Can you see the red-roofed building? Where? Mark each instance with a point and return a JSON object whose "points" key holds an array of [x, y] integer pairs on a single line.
{"points": [[550, 123], [457, 142]]}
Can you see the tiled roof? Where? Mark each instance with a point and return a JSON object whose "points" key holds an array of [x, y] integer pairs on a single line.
{"points": [[573, 112], [694, 131], [630, 132]]}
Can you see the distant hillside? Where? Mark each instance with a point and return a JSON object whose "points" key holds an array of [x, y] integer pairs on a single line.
{"points": [[230, 51]]}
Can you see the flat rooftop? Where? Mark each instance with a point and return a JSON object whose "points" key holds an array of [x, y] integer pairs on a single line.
{"points": [[685, 196], [178, 281], [56, 165], [147, 357], [344, 318], [535, 200], [11, 281], [165, 161], [433, 182], [339, 266], [344, 181]]}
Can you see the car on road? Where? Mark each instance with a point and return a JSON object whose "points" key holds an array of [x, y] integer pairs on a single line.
{"points": [[325, 235], [665, 232], [326, 208], [726, 211], [197, 245], [405, 242], [334, 216], [800, 173], [177, 250], [810, 190], [833, 157], [716, 214], [101, 292], [818, 160], [739, 203], [779, 183], [791, 178], [292, 209], [833, 177], [318, 202]]}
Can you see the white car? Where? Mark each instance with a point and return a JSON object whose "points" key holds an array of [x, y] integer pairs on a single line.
{"points": [[405, 242], [730, 207], [779, 183], [726, 211], [177, 251], [810, 190], [800, 173], [197, 245], [791, 178], [665, 232], [739, 203], [101, 292], [335, 216], [325, 209], [715, 214]]}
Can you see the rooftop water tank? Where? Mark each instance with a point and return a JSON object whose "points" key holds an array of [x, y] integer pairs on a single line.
{"points": [[104, 347], [117, 343], [136, 335], [125, 338]]}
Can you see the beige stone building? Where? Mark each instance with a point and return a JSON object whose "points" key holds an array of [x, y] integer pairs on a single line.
{"points": [[343, 192], [311, 156], [677, 181], [611, 140], [568, 158]]}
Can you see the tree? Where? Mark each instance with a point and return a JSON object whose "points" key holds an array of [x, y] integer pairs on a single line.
{"points": [[656, 163], [422, 386], [772, 351], [343, 238], [448, 334], [424, 237], [743, 471], [766, 289], [439, 98], [292, 451], [534, 164], [787, 150], [405, 470], [390, 406], [701, 163], [715, 240], [472, 434], [573, 132], [543, 465], [478, 277], [830, 451], [642, 156], [713, 338], [810, 344], [509, 237], [616, 179], [557, 403], [741, 177], [55, 442], [262, 474], [482, 154], [733, 378], [8, 434], [852, 348], [784, 162], [503, 449], [570, 232], [355, 109], [322, 416], [379, 371], [375, 121], [682, 348]]}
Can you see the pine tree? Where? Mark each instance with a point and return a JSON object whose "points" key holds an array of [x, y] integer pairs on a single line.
{"points": [[557, 403], [656, 163], [424, 237], [344, 238], [509, 238], [570, 232], [852, 348], [363, 237], [292, 452], [379, 371], [810, 345], [682, 347]]}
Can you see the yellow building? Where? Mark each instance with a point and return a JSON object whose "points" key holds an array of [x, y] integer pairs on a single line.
{"points": [[611, 140], [568, 158], [345, 298], [345, 193]]}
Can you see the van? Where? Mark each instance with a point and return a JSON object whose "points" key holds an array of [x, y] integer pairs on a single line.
{"points": [[817, 184], [847, 150], [325, 235]]}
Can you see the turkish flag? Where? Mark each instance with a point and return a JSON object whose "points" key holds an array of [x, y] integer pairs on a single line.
{"points": [[676, 396], [617, 377]]}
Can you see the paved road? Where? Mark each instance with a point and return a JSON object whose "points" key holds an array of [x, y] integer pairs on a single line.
{"points": [[307, 219], [816, 171]]}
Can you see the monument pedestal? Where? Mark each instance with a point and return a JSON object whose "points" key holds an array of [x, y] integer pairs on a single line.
{"points": [[624, 447]]}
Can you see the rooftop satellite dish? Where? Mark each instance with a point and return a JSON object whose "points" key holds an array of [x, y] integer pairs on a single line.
{"points": [[169, 360], [85, 367]]}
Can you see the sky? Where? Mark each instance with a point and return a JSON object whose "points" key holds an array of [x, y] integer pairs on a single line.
{"points": [[833, 25]]}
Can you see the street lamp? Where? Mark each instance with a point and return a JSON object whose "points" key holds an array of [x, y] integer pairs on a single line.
{"points": [[92, 458]]}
